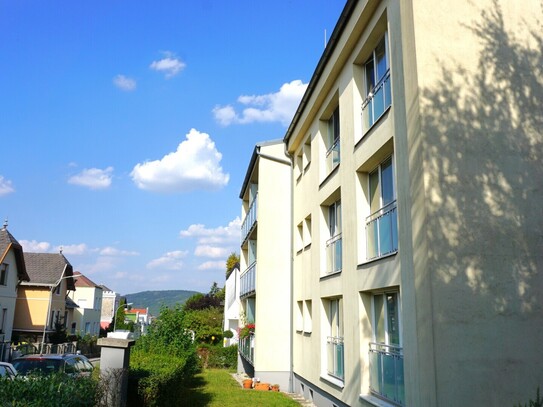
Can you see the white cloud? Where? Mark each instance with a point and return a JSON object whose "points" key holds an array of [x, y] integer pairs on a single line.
{"points": [[210, 251], [194, 165], [112, 251], [221, 235], [170, 65], [272, 107], [73, 249], [211, 265], [124, 83], [33, 246], [93, 178], [5, 186], [169, 261]]}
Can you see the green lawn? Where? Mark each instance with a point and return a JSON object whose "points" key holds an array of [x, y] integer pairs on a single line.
{"points": [[217, 388]]}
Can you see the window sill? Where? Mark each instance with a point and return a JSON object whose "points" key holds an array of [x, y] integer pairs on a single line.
{"points": [[329, 275], [375, 401], [329, 175], [374, 124], [378, 258], [332, 380]]}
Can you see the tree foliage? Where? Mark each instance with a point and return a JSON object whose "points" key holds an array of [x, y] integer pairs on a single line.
{"points": [[231, 262]]}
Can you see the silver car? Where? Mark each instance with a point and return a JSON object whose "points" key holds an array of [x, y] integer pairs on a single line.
{"points": [[7, 369]]}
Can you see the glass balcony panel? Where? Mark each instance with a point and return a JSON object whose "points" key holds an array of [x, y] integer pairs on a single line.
{"points": [[382, 232], [247, 283], [386, 372], [333, 255]]}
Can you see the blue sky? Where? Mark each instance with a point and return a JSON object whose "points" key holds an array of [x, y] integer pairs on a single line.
{"points": [[127, 127]]}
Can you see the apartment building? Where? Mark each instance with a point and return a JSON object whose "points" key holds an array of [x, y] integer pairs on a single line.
{"points": [[416, 224], [88, 297], [231, 305], [264, 292]]}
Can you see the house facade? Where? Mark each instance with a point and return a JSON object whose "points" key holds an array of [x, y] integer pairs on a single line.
{"points": [[416, 223], [12, 273], [264, 289], [87, 315], [231, 305], [41, 302], [110, 302]]}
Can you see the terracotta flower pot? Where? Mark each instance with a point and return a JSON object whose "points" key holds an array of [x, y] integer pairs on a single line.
{"points": [[247, 383], [275, 387], [262, 386]]}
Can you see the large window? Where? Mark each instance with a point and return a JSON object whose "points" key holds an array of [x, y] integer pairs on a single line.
{"points": [[382, 224], [386, 353], [333, 244], [377, 84], [334, 340], [332, 141]]}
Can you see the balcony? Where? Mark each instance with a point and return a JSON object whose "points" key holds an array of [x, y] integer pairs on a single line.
{"points": [[382, 232], [333, 254], [386, 373], [332, 156], [250, 220], [377, 102], [247, 347], [334, 350], [247, 281]]}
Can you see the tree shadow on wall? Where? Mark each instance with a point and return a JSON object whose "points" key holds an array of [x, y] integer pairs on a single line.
{"points": [[483, 144]]}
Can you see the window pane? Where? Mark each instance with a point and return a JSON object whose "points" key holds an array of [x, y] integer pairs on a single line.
{"points": [[370, 76], [379, 316], [380, 56], [375, 199], [392, 319], [371, 236], [387, 185], [385, 234]]}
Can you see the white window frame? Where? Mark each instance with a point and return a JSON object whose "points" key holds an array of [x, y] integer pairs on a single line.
{"points": [[333, 139], [4, 274], [334, 225]]}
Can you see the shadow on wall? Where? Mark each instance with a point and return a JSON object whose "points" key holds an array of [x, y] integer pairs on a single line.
{"points": [[483, 146]]}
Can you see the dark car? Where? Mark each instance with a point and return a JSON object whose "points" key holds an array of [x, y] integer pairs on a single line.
{"points": [[69, 363]]}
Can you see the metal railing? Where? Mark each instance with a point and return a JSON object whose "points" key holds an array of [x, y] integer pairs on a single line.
{"points": [[332, 155], [386, 372], [333, 254], [250, 219], [378, 100], [335, 361], [247, 281], [246, 347], [382, 232]]}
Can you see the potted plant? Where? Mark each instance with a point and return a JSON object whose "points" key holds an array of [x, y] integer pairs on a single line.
{"points": [[246, 330], [275, 387]]}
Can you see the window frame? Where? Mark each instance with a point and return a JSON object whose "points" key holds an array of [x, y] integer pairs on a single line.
{"points": [[333, 242], [4, 274], [333, 139]]}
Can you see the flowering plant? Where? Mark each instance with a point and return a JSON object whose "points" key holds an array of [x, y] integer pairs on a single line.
{"points": [[246, 330]]}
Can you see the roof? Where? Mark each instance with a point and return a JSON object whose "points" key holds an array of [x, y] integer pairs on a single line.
{"points": [[7, 243], [83, 281], [136, 310], [48, 268], [105, 288], [70, 303]]}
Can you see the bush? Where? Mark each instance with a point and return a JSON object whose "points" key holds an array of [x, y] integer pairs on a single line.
{"points": [[218, 357], [51, 390], [538, 402]]}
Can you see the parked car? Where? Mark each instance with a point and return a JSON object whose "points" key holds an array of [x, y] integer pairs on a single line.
{"points": [[7, 369], [69, 363]]}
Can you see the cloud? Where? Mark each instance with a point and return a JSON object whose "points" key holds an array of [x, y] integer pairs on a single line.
{"points": [[227, 235], [169, 261], [210, 251], [194, 165], [5, 186], [170, 65], [212, 265], [272, 107], [73, 249], [33, 246], [112, 251], [93, 178], [124, 83]]}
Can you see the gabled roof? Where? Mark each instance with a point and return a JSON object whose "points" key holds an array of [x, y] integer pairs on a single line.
{"points": [[83, 281], [7, 243], [48, 268], [141, 311]]}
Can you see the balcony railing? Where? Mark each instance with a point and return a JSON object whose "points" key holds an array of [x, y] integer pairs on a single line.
{"points": [[247, 347], [333, 254], [377, 102], [247, 281], [332, 155], [334, 350], [382, 232], [386, 372], [250, 220]]}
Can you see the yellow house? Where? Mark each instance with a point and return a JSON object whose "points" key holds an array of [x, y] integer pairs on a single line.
{"points": [[42, 301]]}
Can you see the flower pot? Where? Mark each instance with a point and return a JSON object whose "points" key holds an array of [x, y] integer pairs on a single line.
{"points": [[262, 386], [275, 387], [247, 383]]}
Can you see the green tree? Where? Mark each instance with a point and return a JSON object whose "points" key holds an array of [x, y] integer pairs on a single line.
{"points": [[207, 324], [231, 262]]}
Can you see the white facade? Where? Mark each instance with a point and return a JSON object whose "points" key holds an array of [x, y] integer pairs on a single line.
{"points": [[231, 306], [265, 267], [9, 281], [86, 318]]}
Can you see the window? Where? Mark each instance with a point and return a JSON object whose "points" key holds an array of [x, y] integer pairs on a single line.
{"points": [[87, 327], [4, 274], [334, 340], [377, 85], [382, 224], [57, 288], [300, 238], [386, 354], [3, 317], [333, 244], [306, 153], [307, 231], [332, 142], [308, 317], [299, 316]]}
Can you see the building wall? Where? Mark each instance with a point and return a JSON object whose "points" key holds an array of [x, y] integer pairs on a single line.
{"points": [[89, 300], [8, 295], [463, 132], [110, 301]]}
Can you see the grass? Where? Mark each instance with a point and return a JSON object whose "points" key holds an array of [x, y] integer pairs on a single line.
{"points": [[217, 388]]}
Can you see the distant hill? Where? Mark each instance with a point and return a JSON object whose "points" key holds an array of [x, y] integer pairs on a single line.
{"points": [[155, 299]]}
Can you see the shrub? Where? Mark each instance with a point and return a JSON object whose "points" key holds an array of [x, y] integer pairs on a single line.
{"points": [[50, 390], [538, 402]]}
